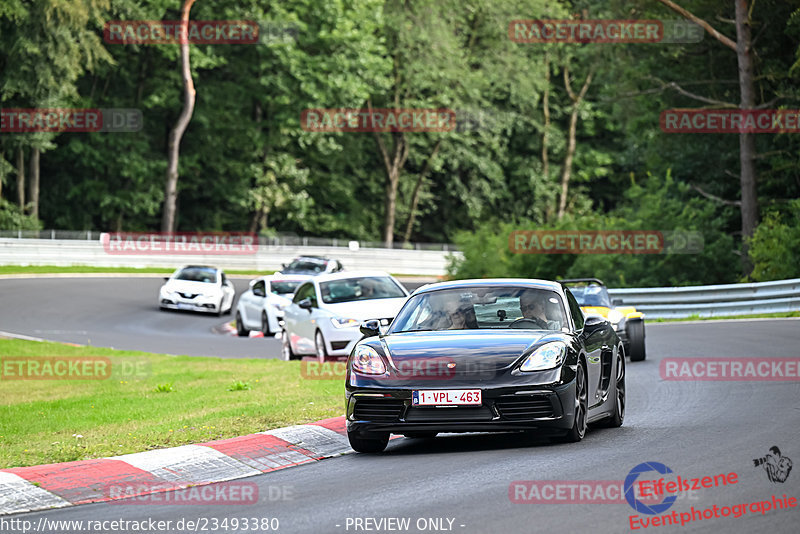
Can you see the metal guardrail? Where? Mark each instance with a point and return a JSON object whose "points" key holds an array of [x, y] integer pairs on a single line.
{"points": [[713, 300], [267, 257]]}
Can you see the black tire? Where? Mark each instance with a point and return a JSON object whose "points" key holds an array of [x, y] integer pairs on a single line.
{"points": [[319, 344], [219, 308], [241, 331], [265, 324], [369, 443], [636, 337], [578, 430], [287, 354], [421, 435], [618, 416]]}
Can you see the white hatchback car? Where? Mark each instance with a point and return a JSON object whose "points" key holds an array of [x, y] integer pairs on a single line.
{"points": [[197, 288], [261, 306], [327, 311]]}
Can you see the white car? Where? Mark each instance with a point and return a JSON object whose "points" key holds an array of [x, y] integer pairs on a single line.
{"points": [[327, 311], [197, 288], [261, 306]]}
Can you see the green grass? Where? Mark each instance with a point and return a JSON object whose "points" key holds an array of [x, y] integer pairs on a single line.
{"points": [[749, 316], [204, 399]]}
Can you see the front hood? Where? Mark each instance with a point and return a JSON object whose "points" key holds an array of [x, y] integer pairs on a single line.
{"points": [[473, 352], [361, 310], [187, 286]]}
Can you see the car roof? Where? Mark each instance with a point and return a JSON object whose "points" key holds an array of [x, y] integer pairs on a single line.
{"points": [[279, 277], [319, 258], [343, 275], [488, 282]]}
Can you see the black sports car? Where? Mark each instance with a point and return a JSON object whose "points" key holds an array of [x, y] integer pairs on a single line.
{"points": [[485, 355]]}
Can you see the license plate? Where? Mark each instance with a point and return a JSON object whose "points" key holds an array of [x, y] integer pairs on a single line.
{"points": [[182, 306], [446, 397]]}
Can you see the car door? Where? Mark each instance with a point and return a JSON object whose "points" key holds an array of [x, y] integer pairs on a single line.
{"points": [[593, 336], [255, 303], [298, 320]]}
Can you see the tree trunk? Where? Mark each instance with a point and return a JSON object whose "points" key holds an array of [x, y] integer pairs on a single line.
{"points": [[173, 148], [415, 196], [566, 172], [21, 178], [33, 184], [546, 129], [747, 141]]}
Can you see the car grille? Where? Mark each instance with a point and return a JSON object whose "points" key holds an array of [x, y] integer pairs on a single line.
{"points": [[444, 415], [379, 410], [188, 295], [524, 407]]}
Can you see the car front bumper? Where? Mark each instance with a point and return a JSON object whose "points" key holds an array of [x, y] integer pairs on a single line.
{"points": [[549, 410]]}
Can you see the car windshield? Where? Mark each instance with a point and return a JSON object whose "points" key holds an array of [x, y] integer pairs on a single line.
{"points": [[283, 287], [307, 264], [483, 308], [363, 288], [198, 274], [591, 294]]}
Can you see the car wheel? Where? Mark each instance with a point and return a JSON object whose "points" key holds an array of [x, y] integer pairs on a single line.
{"points": [[618, 416], [578, 430], [319, 343], [636, 337], [241, 331], [286, 348], [265, 325], [421, 435], [372, 442]]}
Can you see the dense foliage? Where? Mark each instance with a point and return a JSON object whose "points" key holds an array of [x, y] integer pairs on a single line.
{"points": [[246, 163]]}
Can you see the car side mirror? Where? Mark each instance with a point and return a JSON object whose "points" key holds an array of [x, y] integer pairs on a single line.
{"points": [[305, 304], [595, 323], [166, 278], [371, 328], [616, 302], [283, 265]]}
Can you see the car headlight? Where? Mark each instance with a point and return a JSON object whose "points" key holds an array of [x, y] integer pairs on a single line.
{"points": [[615, 316], [548, 356], [342, 322], [367, 361]]}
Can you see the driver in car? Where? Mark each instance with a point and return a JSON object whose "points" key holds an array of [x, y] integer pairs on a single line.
{"points": [[532, 304], [448, 313]]}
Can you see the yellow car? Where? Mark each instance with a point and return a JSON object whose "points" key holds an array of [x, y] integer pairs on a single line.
{"points": [[592, 295]]}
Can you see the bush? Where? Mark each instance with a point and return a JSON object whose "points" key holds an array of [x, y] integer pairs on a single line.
{"points": [[658, 204], [12, 218], [775, 245]]}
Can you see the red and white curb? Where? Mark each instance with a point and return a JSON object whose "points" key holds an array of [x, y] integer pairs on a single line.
{"points": [[40, 487]]}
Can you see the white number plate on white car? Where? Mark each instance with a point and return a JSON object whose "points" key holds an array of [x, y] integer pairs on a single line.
{"points": [[446, 397]]}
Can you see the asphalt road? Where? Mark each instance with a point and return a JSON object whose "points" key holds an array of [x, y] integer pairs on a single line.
{"points": [[696, 428], [121, 313]]}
